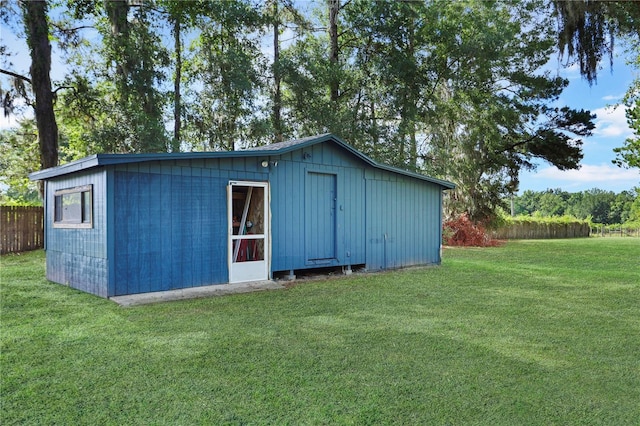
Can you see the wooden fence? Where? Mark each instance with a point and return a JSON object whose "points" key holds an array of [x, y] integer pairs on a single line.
{"points": [[614, 231], [533, 230], [21, 228]]}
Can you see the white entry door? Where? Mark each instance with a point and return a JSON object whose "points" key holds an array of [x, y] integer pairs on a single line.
{"points": [[249, 242]]}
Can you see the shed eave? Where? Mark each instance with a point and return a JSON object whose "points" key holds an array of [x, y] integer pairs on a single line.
{"points": [[269, 150], [285, 147], [98, 160], [444, 183], [74, 166]]}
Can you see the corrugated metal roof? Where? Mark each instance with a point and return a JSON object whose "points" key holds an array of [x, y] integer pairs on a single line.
{"points": [[98, 160]]}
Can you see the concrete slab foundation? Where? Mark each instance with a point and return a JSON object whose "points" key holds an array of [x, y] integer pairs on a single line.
{"points": [[195, 292]]}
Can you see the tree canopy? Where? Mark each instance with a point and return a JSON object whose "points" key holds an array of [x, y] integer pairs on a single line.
{"points": [[587, 31], [604, 207], [457, 90]]}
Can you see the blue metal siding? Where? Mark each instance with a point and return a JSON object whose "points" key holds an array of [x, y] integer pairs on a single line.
{"points": [[403, 222], [162, 224], [78, 257], [171, 223], [320, 217], [297, 236]]}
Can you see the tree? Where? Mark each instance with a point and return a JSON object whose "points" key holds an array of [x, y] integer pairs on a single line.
{"points": [[553, 203], [224, 70], [19, 156], [276, 114], [527, 203], [620, 208], [36, 27], [334, 49], [403, 65], [629, 154], [117, 83], [135, 50], [587, 30], [600, 206], [494, 105], [278, 15], [317, 79], [634, 209], [176, 17]]}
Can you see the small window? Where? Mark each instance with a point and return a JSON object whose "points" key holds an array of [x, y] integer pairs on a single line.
{"points": [[73, 207]]}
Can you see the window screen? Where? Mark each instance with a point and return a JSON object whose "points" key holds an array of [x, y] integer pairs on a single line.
{"points": [[73, 207]]}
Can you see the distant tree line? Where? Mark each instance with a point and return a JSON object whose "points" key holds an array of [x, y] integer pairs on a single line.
{"points": [[604, 207]]}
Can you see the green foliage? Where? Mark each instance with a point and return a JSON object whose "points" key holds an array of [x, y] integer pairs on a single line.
{"points": [[115, 103], [533, 332], [598, 206], [494, 106], [631, 228], [19, 157], [549, 220], [224, 68], [323, 87], [457, 90], [586, 33], [628, 155], [634, 209]]}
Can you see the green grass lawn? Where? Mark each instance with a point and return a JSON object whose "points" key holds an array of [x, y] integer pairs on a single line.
{"points": [[533, 332]]}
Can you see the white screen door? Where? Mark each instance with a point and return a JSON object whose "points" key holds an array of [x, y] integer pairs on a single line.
{"points": [[248, 250]]}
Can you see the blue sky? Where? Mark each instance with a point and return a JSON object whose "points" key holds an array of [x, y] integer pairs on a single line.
{"points": [[611, 130], [597, 170]]}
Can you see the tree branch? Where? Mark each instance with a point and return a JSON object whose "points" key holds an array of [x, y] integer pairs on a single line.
{"points": [[15, 75], [55, 92], [70, 30]]}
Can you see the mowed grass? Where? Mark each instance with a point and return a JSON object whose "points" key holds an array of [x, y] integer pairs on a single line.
{"points": [[533, 332]]}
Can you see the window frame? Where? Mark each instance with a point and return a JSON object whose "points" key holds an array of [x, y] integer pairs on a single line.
{"points": [[84, 191]]}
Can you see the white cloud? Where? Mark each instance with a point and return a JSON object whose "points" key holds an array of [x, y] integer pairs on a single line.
{"points": [[595, 175], [613, 97], [611, 122], [571, 72]]}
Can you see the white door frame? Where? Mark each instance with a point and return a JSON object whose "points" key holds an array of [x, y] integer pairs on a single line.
{"points": [[251, 270]]}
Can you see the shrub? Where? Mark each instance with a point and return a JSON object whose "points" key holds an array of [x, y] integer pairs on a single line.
{"points": [[547, 220], [461, 231]]}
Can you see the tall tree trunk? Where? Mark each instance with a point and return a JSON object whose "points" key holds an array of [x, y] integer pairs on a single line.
{"points": [[334, 9], [228, 121], [37, 31], [413, 148], [277, 77], [117, 11], [375, 133], [177, 101]]}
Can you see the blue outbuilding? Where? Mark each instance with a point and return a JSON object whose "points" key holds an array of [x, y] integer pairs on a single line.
{"points": [[118, 224]]}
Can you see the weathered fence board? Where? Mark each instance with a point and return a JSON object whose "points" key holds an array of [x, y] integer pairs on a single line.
{"points": [[528, 231], [21, 228]]}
